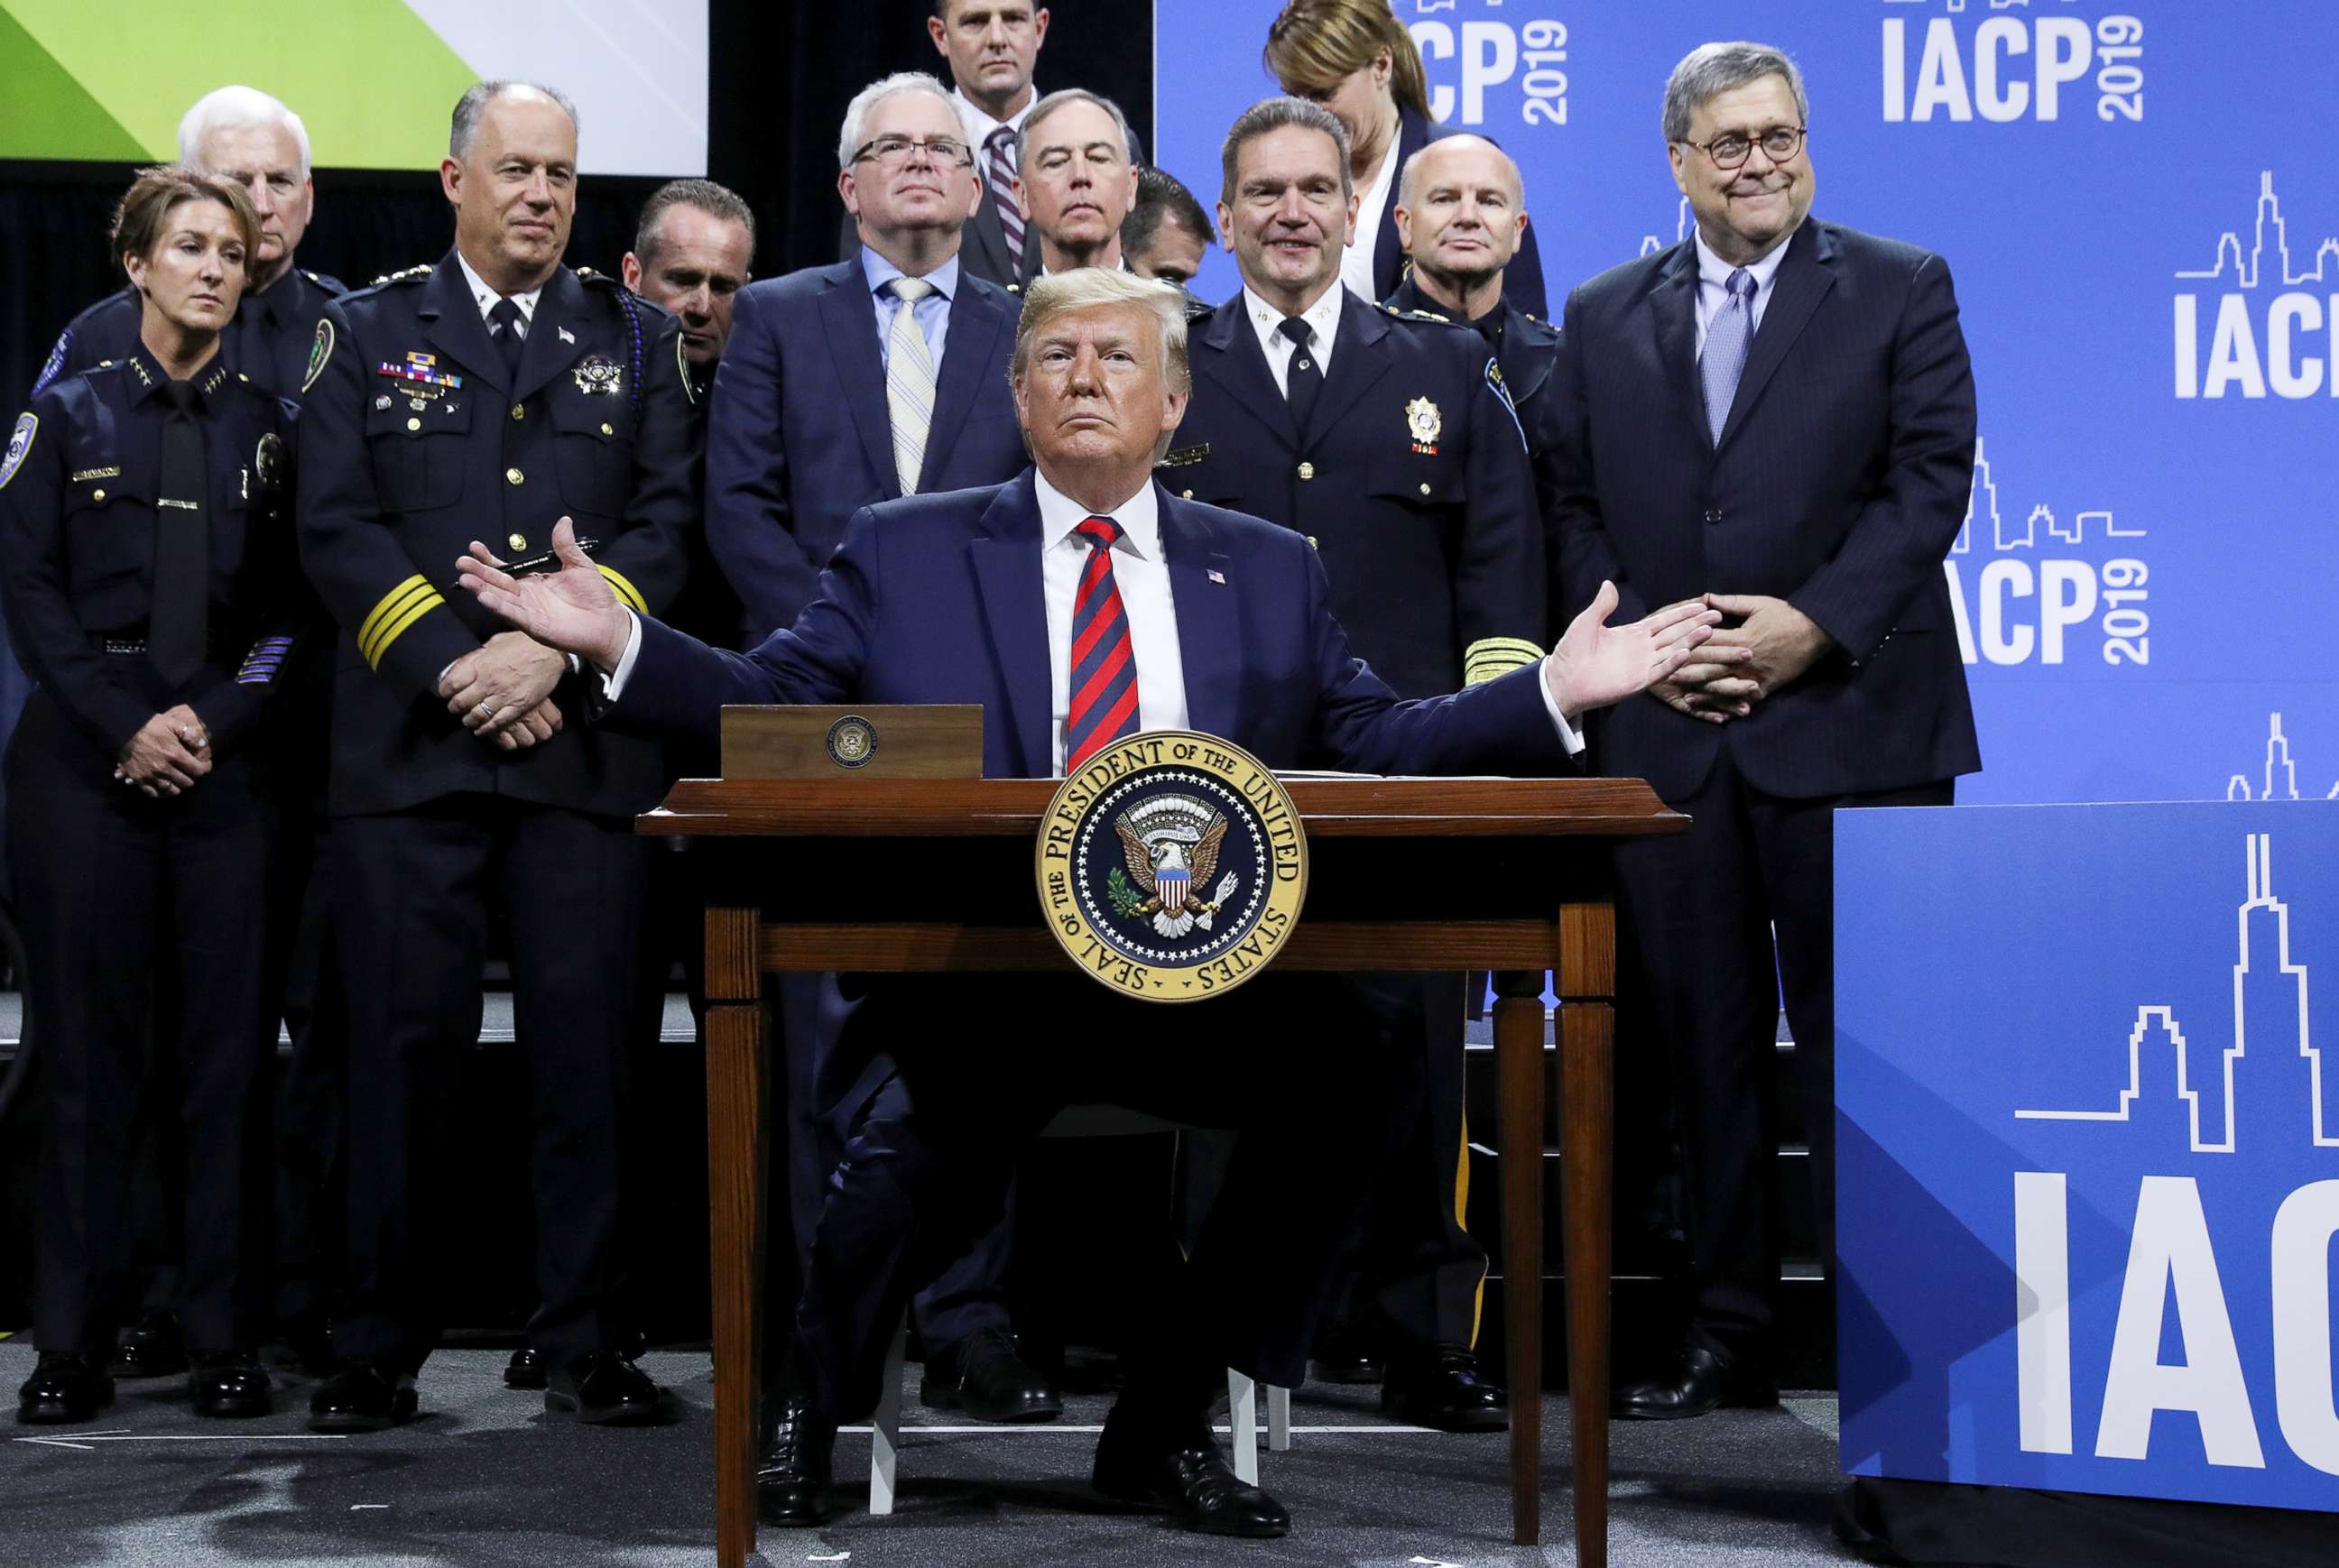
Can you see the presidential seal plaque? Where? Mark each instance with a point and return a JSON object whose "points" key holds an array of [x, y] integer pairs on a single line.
{"points": [[1171, 866]]}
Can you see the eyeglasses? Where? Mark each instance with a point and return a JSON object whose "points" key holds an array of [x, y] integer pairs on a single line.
{"points": [[1729, 150], [895, 150]]}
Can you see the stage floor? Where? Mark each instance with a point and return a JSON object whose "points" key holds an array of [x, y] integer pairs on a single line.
{"points": [[485, 1479]]}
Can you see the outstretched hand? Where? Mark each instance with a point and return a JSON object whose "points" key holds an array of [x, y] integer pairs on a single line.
{"points": [[573, 609], [1596, 664]]}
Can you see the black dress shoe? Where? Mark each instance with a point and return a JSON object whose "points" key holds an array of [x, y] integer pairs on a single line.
{"points": [[525, 1369], [228, 1383], [150, 1347], [1440, 1388], [795, 1480], [362, 1396], [64, 1387], [1184, 1472], [1703, 1381], [605, 1388], [1343, 1353], [983, 1375]]}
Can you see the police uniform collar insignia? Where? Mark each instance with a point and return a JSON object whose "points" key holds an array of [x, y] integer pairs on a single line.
{"points": [[1423, 419], [598, 375], [20, 441], [211, 382], [1171, 866], [320, 348]]}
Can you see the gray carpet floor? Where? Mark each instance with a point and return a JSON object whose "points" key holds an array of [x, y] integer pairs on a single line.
{"points": [[485, 1479]]}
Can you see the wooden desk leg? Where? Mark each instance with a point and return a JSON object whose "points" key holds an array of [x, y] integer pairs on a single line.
{"points": [[1586, 1094], [1519, 1077], [734, 1188]]}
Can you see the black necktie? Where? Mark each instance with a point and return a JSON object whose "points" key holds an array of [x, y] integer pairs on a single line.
{"points": [[176, 618], [1305, 375], [506, 317]]}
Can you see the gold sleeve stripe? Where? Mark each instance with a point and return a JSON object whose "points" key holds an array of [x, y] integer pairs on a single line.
{"points": [[1490, 656], [399, 609], [625, 590]]}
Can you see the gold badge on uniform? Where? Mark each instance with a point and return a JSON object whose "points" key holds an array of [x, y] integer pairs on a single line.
{"points": [[1422, 418], [598, 375]]}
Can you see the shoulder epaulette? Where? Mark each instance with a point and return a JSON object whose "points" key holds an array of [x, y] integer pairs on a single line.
{"points": [[332, 287], [423, 269], [1403, 314]]}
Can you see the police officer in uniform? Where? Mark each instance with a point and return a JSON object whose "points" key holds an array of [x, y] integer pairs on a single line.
{"points": [[154, 593], [486, 398], [1386, 438], [288, 320]]}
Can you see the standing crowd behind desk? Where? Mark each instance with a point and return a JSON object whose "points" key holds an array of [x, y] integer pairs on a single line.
{"points": [[327, 777]]}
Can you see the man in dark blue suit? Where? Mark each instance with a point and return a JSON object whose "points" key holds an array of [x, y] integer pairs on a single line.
{"points": [[1777, 414], [837, 390], [813, 418], [1224, 620]]}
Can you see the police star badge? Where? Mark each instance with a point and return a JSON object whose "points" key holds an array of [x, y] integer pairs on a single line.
{"points": [[1423, 419], [268, 460], [1171, 866], [597, 376]]}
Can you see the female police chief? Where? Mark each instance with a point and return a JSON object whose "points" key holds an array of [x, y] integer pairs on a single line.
{"points": [[152, 592]]}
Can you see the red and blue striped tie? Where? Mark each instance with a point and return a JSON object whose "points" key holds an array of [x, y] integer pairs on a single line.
{"points": [[1104, 668]]}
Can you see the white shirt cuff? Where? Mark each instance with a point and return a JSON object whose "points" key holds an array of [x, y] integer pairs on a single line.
{"points": [[613, 684], [1570, 736]]}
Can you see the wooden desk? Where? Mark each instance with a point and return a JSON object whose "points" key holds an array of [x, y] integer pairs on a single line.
{"points": [[1502, 875]]}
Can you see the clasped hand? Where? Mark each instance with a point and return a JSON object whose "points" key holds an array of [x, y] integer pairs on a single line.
{"points": [[1765, 645], [170, 752], [502, 691]]}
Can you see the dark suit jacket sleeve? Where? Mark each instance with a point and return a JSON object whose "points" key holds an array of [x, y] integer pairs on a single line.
{"points": [[1499, 579], [678, 686], [1500, 726], [47, 636], [390, 602], [1895, 545], [1582, 556], [650, 558], [749, 524]]}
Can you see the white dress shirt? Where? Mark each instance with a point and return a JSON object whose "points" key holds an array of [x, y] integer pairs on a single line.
{"points": [[1323, 319], [1714, 279], [1357, 260], [487, 296], [979, 125]]}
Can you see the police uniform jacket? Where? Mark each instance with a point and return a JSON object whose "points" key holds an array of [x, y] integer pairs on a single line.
{"points": [[1411, 480], [1525, 349], [276, 338], [422, 442], [78, 495]]}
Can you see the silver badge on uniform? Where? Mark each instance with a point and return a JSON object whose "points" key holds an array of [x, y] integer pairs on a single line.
{"points": [[598, 375]]}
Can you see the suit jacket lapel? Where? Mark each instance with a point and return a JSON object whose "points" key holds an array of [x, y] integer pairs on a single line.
{"points": [[1231, 360], [1672, 311], [544, 353], [451, 321], [850, 322], [1351, 372], [1806, 273], [1005, 561], [975, 322], [1209, 632]]}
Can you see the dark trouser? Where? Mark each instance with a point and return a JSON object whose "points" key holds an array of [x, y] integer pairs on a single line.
{"points": [[413, 888], [967, 1293], [1700, 909], [312, 1116], [115, 887], [1294, 1063]]}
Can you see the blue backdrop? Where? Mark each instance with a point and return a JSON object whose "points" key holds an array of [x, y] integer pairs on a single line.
{"points": [[2136, 207], [2088, 1147]]}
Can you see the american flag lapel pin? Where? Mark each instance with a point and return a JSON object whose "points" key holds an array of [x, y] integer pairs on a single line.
{"points": [[566, 335], [1217, 576]]}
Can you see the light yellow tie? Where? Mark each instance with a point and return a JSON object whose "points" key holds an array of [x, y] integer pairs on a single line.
{"points": [[909, 382]]}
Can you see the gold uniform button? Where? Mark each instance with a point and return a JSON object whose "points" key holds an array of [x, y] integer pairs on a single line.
{"points": [[1307, 470], [1424, 490], [1311, 541], [97, 495], [607, 431], [413, 424], [513, 475], [520, 411], [517, 541], [1186, 495]]}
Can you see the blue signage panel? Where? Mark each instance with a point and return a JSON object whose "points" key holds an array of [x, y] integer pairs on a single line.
{"points": [[2146, 246], [2088, 1146]]}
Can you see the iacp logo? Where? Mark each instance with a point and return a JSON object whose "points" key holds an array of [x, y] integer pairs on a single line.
{"points": [[2005, 67]]}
